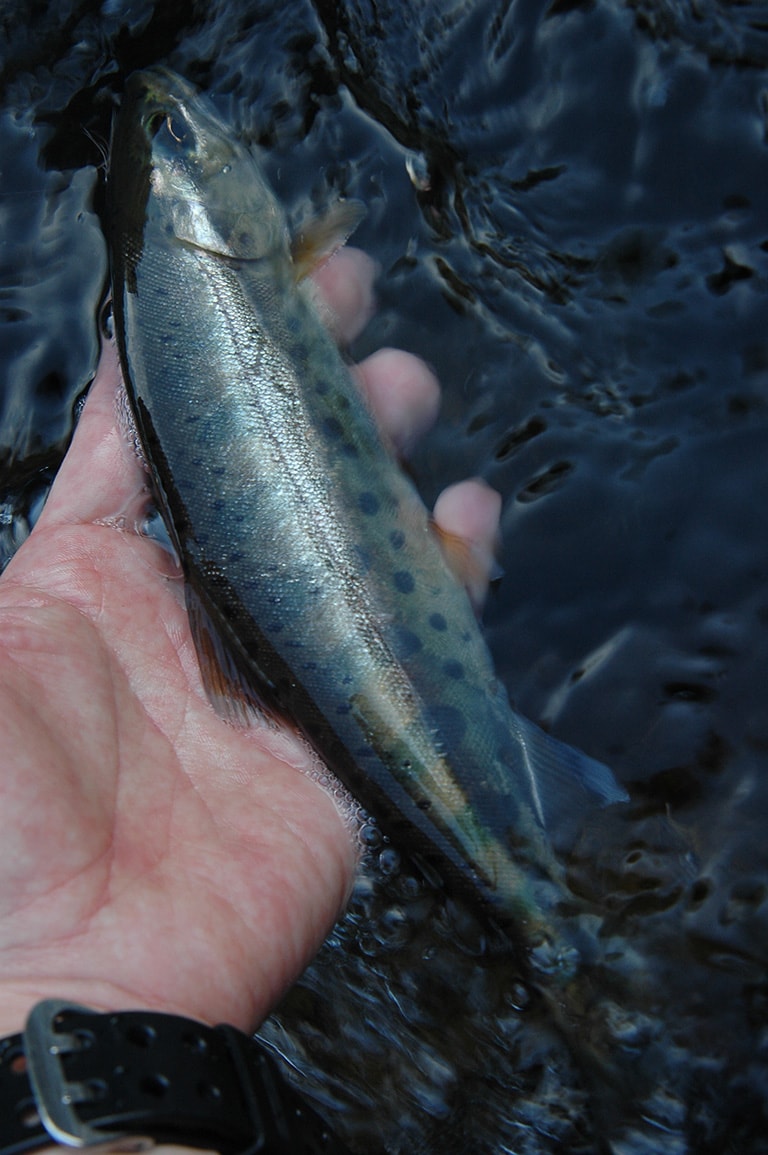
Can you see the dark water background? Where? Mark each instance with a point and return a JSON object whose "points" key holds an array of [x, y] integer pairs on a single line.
{"points": [[581, 251]]}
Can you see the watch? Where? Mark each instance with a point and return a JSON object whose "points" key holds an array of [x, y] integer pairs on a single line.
{"points": [[130, 1079]]}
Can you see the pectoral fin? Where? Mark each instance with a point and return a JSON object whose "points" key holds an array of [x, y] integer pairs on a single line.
{"points": [[238, 692], [321, 237]]}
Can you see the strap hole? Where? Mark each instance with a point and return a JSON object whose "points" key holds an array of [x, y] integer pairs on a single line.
{"points": [[194, 1042], [209, 1091], [97, 1089], [141, 1035], [155, 1085]]}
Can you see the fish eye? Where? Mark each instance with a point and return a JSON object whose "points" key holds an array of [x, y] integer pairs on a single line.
{"points": [[175, 126], [178, 129]]}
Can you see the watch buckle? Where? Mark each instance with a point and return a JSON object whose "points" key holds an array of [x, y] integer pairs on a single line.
{"points": [[56, 1098]]}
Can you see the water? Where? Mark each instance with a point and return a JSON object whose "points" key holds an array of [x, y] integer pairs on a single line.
{"points": [[568, 205]]}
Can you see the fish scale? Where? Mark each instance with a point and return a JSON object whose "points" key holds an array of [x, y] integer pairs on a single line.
{"points": [[314, 581]]}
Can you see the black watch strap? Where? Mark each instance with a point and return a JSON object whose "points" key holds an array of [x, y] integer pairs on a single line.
{"points": [[136, 1078]]}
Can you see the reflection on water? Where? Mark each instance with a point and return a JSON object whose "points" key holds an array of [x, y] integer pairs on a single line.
{"points": [[567, 203]]}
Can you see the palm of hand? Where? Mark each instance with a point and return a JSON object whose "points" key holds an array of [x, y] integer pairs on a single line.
{"points": [[156, 854]]}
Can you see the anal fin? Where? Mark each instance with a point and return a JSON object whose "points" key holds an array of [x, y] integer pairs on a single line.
{"points": [[564, 782]]}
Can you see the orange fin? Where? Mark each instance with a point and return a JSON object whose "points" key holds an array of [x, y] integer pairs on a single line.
{"points": [[473, 565], [322, 236]]}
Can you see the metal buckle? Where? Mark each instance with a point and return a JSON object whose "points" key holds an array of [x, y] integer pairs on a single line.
{"points": [[56, 1098]]}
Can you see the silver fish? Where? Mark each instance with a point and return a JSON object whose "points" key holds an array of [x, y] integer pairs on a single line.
{"points": [[314, 581]]}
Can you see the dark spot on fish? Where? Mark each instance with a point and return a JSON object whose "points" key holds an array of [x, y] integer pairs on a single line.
{"points": [[453, 669], [292, 322], [218, 504], [407, 642], [369, 503], [349, 450], [274, 627], [191, 418], [397, 539], [449, 723], [332, 428], [341, 402], [218, 470], [424, 804], [404, 582], [438, 622], [322, 387], [300, 351], [343, 708]]}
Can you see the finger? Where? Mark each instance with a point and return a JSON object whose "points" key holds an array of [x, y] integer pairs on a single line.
{"points": [[100, 476], [403, 393], [346, 300], [469, 512]]}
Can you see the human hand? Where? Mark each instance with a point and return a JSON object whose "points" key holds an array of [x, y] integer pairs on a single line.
{"points": [[153, 855]]}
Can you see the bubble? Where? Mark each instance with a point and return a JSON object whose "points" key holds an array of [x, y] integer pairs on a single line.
{"points": [[389, 861], [518, 996], [370, 836]]}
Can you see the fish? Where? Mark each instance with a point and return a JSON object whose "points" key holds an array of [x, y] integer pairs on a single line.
{"points": [[315, 584]]}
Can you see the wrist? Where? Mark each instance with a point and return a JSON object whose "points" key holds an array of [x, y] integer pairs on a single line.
{"points": [[133, 1079], [17, 999]]}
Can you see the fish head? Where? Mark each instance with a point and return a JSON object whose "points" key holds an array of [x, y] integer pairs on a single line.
{"points": [[183, 168]]}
